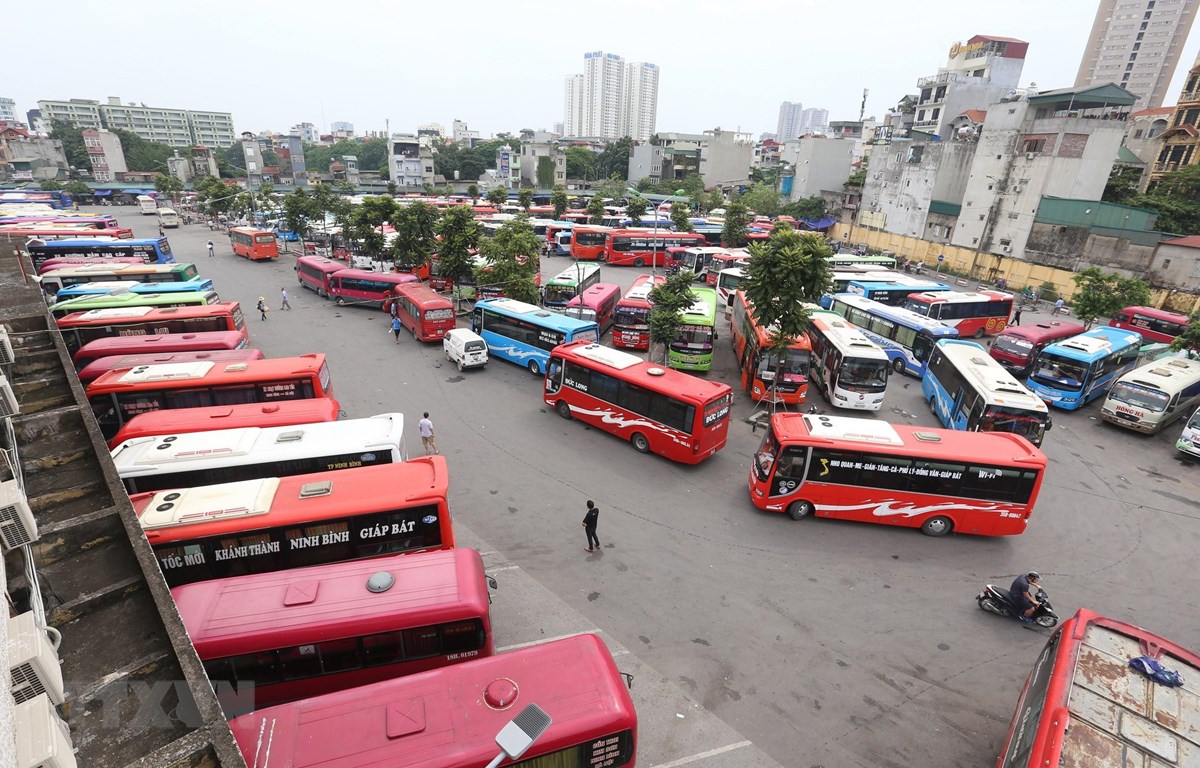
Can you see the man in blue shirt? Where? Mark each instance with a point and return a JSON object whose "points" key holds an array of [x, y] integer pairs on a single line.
{"points": [[1024, 590]]}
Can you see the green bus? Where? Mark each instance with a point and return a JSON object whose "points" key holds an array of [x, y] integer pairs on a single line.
{"points": [[693, 349], [122, 300], [569, 283]]}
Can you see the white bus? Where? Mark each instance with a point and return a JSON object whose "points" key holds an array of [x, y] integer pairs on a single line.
{"points": [[231, 455], [849, 369], [168, 218], [728, 281], [147, 205], [1149, 398]]}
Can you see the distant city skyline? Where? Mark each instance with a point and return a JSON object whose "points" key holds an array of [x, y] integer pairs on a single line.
{"points": [[719, 69]]}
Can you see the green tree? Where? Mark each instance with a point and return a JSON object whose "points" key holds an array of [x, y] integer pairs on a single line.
{"points": [[858, 177], [668, 301], [1190, 338], [681, 216], [635, 209], [415, 226], [215, 196], [1103, 294], [50, 184], [525, 199], [458, 239], [805, 208], [71, 137], [595, 209], [710, 201], [512, 256], [231, 162], [327, 202], [1122, 186], [166, 184], [737, 221], [346, 188], [545, 172], [761, 198], [473, 191], [558, 199], [581, 163], [692, 185], [497, 196], [613, 162], [366, 222], [300, 211], [77, 188]]}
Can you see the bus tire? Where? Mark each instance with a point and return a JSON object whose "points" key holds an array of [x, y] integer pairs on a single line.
{"points": [[898, 365], [563, 409], [798, 510], [341, 302], [979, 333], [533, 368], [640, 443], [937, 526], [933, 405], [639, 262], [460, 364]]}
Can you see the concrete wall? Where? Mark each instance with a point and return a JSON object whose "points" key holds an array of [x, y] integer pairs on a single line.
{"points": [[1175, 266], [819, 164], [724, 159], [904, 177], [645, 162]]}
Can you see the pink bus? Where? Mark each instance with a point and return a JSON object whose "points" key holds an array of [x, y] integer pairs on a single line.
{"points": [[69, 262], [1154, 324], [157, 344], [314, 272], [598, 302], [96, 368], [358, 286]]}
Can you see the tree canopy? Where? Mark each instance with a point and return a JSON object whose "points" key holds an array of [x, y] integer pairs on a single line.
{"points": [[788, 270], [805, 208], [737, 222], [635, 209], [366, 223], [595, 209], [458, 237], [761, 198], [1103, 294], [681, 216], [668, 301], [497, 196], [581, 163], [1190, 338], [415, 226], [525, 199], [558, 199], [469, 162], [512, 256], [371, 153], [1175, 198]]}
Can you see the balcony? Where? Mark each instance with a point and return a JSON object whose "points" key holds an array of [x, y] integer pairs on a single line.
{"points": [[1189, 96], [926, 123], [941, 79]]}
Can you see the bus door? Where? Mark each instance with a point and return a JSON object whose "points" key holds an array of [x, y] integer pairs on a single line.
{"points": [[785, 469]]}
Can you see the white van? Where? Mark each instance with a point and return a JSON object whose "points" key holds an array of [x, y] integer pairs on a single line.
{"points": [[465, 347], [1149, 398], [1189, 441], [168, 218]]}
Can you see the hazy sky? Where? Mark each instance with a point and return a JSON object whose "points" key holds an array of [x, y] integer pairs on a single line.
{"points": [[500, 65]]}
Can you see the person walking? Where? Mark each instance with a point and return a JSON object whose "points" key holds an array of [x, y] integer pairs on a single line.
{"points": [[589, 525], [284, 297], [262, 306], [1058, 306], [1017, 316], [161, 232], [210, 249], [426, 428], [396, 327]]}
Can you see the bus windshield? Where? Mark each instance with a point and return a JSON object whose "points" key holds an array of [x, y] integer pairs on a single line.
{"points": [[792, 364], [633, 317], [581, 313], [1060, 372], [1139, 397], [693, 336], [1014, 345], [1026, 423], [864, 375]]}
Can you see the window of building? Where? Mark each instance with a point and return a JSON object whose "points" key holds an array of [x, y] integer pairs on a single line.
{"points": [[1034, 145], [1166, 263]]}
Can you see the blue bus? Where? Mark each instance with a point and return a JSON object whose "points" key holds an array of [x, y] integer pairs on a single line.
{"points": [[152, 250], [1071, 373], [197, 285], [905, 336], [892, 290], [524, 334]]}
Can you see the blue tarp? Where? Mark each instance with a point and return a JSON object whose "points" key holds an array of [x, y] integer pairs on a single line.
{"points": [[822, 223], [134, 192], [102, 192]]}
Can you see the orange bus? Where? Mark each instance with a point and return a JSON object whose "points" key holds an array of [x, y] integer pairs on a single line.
{"points": [[587, 242], [426, 313], [284, 413], [119, 395], [277, 523], [79, 328], [101, 366], [758, 366], [256, 640], [254, 244], [631, 324]]}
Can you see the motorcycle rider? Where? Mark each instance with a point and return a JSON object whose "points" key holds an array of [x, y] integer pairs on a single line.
{"points": [[1024, 595]]}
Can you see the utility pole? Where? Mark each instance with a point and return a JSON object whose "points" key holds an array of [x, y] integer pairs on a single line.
{"points": [[862, 109]]}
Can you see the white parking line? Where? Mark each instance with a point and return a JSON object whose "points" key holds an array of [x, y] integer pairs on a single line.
{"points": [[504, 568], [546, 640], [702, 755]]}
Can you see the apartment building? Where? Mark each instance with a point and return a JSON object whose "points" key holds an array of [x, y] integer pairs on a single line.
{"points": [[105, 154], [175, 127], [978, 72]]}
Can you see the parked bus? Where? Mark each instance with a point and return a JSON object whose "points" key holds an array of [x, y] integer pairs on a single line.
{"points": [[974, 314], [248, 453], [1153, 324], [553, 230], [129, 300], [712, 233], [273, 524], [74, 262], [81, 220], [968, 390], [52, 281], [1017, 345], [697, 259], [257, 641], [906, 337], [598, 304], [117, 346], [679, 417], [569, 283], [692, 349], [850, 258], [631, 323], [892, 291], [195, 285], [168, 218], [562, 243], [186, 420], [728, 281], [588, 242], [721, 262], [365, 288], [1150, 398], [1189, 439], [847, 367], [426, 313], [147, 205], [524, 334], [106, 288], [79, 328], [1083, 703], [103, 365], [151, 251], [38, 234], [593, 721], [119, 395], [937, 480], [639, 247], [254, 244], [782, 377], [314, 273], [1070, 374]]}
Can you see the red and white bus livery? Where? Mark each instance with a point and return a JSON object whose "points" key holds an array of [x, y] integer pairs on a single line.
{"points": [[631, 324], [974, 315]]}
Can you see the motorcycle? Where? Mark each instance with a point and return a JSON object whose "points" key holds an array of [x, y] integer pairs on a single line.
{"points": [[999, 601]]}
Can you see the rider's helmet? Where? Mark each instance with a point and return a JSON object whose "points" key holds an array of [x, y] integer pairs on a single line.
{"points": [[1033, 576]]}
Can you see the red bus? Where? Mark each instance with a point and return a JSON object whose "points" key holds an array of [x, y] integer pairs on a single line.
{"points": [[284, 413], [597, 303], [359, 286], [751, 344], [939, 480], [975, 315], [277, 523], [118, 346], [48, 232], [254, 244], [314, 272], [79, 328], [67, 262], [311, 631], [657, 409], [450, 717], [1083, 705], [1154, 324], [101, 366], [119, 395], [89, 222], [1017, 345], [631, 324], [720, 261], [552, 230], [426, 313], [639, 247], [587, 242]]}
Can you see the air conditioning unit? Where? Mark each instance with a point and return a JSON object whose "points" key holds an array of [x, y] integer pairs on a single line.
{"points": [[8, 400], [17, 526], [1006, 248], [6, 350], [1030, 155], [43, 739], [33, 665]]}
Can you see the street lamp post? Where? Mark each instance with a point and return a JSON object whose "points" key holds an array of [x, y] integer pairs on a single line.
{"points": [[654, 239]]}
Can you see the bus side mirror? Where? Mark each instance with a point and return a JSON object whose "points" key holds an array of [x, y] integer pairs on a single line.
{"points": [[491, 581], [628, 680], [1049, 424]]}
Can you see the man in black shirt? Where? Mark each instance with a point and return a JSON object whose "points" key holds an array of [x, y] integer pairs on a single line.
{"points": [[589, 525], [1024, 590]]}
